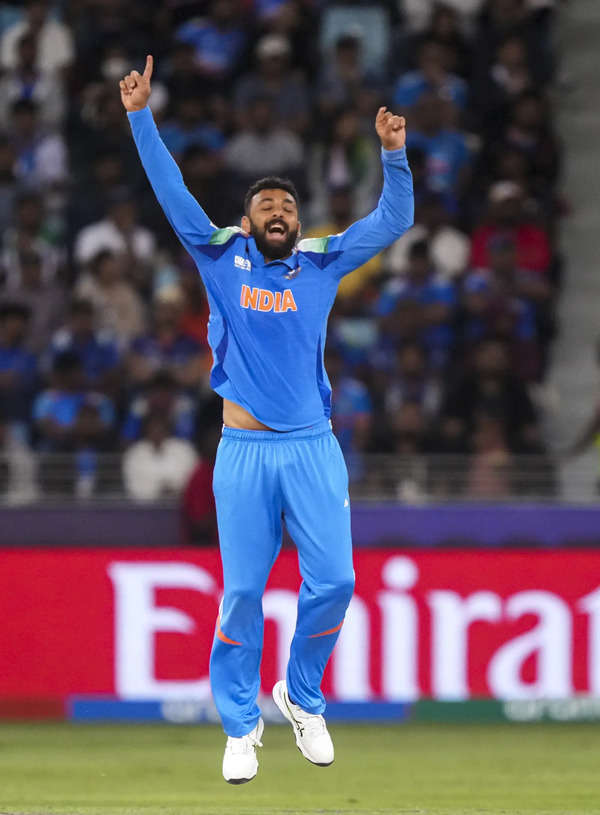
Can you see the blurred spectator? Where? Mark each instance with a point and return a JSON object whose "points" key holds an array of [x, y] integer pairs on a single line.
{"points": [[41, 156], [344, 81], [449, 248], [368, 21], [188, 127], [350, 411], [8, 182], [158, 466], [196, 311], [411, 381], [276, 80], [219, 39], [431, 77], [262, 147], [18, 369], [18, 468], [432, 301], [26, 81], [161, 396], [45, 299], [55, 50], [71, 419], [32, 233], [121, 233], [119, 307], [491, 309], [166, 347], [529, 131], [212, 184], [448, 159], [96, 350], [199, 514], [489, 389], [94, 188], [508, 77], [506, 217], [446, 27], [341, 215], [417, 13], [347, 158], [489, 468]]}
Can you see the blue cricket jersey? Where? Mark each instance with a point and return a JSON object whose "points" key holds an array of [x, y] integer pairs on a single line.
{"points": [[268, 321]]}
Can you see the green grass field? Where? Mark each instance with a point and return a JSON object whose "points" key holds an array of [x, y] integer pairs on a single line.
{"points": [[430, 769]]}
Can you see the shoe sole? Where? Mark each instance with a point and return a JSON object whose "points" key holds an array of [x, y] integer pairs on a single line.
{"points": [[283, 708], [237, 781]]}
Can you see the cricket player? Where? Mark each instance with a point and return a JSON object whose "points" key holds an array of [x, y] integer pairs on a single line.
{"points": [[278, 460]]}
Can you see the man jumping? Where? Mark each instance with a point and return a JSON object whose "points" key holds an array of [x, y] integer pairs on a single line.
{"points": [[278, 459]]}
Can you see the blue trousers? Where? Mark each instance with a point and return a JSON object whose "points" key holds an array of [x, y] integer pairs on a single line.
{"points": [[260, 479]]}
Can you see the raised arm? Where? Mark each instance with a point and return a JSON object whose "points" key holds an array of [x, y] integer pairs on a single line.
{"points": [[184, 213], [389, 220]]}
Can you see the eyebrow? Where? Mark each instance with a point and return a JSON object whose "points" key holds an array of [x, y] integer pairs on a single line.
{"points": [[287, 200]]}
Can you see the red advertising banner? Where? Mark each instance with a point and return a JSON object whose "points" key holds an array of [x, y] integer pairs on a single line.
{"points": [[446, 625]]}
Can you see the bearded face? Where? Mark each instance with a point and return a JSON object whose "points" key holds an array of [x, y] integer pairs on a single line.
{"points": [[273, 223], [275, 240]]}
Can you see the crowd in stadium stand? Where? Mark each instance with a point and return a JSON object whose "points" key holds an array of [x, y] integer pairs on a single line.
{"points": [[435, 346]]}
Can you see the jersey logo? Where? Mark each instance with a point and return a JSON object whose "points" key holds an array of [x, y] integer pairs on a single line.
{"points": [[242, 263], [265, 300]]}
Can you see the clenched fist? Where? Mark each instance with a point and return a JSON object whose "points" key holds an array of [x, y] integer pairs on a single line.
{"points": [[135, 87], [391, 129]]}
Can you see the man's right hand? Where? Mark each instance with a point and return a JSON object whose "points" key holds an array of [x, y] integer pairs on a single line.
{"points": [[135, 87]]}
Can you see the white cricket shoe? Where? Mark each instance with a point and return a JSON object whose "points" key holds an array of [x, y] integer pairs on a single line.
{"points": [[240, 763], [312, 738]]}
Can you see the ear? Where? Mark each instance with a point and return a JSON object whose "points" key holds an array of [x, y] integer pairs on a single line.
{"points": [[245, 224]]}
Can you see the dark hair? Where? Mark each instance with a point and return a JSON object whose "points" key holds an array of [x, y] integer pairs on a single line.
{"points": [[99, 258], [65, 362], [81, 306], [419, 249], [270, 182], [23, 105], [12, 309]]}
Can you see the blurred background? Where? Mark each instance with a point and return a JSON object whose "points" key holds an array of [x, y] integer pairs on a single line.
{"points": [[463, 359]]}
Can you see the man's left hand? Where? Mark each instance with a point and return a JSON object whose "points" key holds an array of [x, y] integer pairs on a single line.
{"points": [[391, 129]]}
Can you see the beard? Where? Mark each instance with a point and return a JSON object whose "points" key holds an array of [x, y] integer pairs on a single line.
{"points": [[274, 250]]}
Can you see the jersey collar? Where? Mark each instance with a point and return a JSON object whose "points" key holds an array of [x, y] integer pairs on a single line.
{"points": [[257, 258]]}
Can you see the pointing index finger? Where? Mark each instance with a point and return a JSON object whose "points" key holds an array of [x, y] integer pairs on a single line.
{"points": [[149, 67]]}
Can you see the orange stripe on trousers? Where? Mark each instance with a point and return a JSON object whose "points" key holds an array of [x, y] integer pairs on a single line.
{"points": [[331, 631], [223, 637]]}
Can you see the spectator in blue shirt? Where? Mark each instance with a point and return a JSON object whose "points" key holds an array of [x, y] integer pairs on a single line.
{"points": [[189, 127], [18, 368], [431, 76], [71, 419], [167, 348], [431, 299], [351, 411], [161, 396], [219, 39], [447, 155], [96, 350]]}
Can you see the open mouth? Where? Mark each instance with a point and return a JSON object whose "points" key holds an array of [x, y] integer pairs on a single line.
{"points": [[276, 230]]}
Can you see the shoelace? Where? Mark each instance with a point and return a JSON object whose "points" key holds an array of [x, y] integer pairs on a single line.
{"points": [[245, 744], [313, 724]]}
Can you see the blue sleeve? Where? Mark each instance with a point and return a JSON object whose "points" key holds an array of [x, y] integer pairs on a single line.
{"points": [[184, 213], [41, 407], [394, 214]]}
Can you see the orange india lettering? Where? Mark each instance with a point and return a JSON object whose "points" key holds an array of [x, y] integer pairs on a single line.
{"points": [[265, 300]]}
